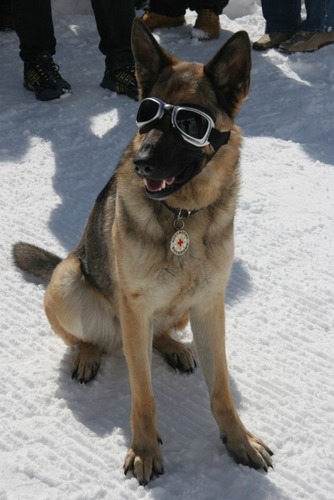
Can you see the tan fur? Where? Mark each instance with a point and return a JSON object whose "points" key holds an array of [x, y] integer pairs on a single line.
{"points": [[123, 283]]}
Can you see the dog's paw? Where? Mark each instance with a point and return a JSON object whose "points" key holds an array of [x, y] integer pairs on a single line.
{"points": [[182, 360], [144, 463], [86, 363], [249, 450], [177, 355]]}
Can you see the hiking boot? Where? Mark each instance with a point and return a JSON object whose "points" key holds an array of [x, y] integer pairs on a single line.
{"points": [[121, 80], [304, 41], [271, 40], [207, 25], [41, 75], [154, 20]]}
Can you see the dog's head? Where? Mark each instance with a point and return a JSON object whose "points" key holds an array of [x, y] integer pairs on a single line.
{"points": [[187, 109]]}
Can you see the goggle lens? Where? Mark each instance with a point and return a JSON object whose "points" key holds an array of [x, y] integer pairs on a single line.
{"points": [[148, 111], [191, 123]]}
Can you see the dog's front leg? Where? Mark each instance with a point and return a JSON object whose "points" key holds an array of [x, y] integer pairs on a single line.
{"points": [[208, 325], [144, 457]]}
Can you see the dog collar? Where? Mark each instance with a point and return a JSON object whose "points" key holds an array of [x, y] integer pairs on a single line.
{"points": [[180, 212]]}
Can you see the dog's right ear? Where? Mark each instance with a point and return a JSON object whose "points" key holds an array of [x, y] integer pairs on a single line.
{"points": [[150, 58]]}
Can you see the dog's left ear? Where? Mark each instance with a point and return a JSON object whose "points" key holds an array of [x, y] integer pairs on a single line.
{"points": [[150, 58], [229, 72]]}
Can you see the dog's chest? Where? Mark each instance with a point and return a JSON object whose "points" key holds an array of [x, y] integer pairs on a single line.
{"points": [[166, 280], [181, 280], [176, 285]]}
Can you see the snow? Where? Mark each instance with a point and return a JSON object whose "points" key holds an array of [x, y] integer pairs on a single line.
{"points": [[60, 439]]}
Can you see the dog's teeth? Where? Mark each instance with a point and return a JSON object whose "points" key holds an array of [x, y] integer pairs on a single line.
{"points": [[156, 185]]}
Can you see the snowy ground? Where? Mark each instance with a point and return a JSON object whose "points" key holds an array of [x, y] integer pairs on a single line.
{"points": [[63, 440]]}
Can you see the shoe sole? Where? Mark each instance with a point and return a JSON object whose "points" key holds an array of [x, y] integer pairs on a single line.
{"points": [[113, 88], [263, 47], [66, 93], [287, 51]]}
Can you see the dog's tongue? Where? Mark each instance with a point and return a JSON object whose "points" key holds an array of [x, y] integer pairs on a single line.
{"points": [[154, 185]]}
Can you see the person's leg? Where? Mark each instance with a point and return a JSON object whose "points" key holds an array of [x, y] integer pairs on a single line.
{"points": [[281, 16], [329, 21], [216, 6], [114, 23], [282, 21], [320, 16], [34, 27], [172, 8], [315, 31], [5, 7], [6, 18]]}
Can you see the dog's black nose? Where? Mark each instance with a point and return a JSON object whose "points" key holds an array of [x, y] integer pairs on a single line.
{"points": [[142, 168]]}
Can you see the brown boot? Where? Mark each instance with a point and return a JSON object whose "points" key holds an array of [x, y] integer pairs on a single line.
{"points": [[154, 20], [307, 42], [207, 26], [271, 40]]}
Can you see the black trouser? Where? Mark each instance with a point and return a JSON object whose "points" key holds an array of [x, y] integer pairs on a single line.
{"points": [[175, 8], [114, 23], [5, 8], [34, 26]]}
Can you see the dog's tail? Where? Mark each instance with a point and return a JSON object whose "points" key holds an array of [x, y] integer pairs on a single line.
{"points": [[35, 260]]}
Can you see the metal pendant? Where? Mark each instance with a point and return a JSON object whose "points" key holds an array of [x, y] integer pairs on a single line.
{"points": [[180, 242]]}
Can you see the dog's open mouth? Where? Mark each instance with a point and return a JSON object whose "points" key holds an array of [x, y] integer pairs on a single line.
{"points": [[159, 189], [154, 185]]}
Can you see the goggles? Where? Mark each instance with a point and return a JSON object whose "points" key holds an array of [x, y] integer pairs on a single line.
{"points": [[195, 125]]}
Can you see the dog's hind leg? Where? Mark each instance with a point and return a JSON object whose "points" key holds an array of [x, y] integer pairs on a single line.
{"points": [[80, 316], [86, 359], [86, 362], [177, 355]]}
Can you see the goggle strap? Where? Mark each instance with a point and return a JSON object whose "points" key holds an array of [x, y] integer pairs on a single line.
{"points": [[218, 139]]}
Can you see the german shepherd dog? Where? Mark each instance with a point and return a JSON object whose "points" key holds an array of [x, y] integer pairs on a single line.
{"points": [[158, 246]]}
